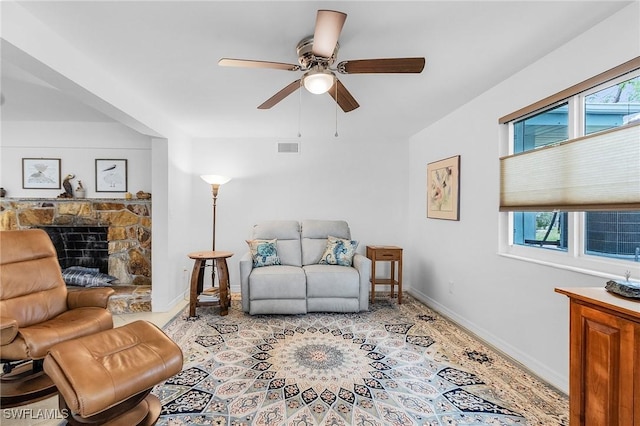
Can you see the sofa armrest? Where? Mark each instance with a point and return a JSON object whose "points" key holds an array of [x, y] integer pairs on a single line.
{"points": [[363, 266], [246, 265], [8, 330], [89, 297]]}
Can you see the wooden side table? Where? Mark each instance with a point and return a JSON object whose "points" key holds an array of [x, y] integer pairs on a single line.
{"points": [[219, 261], [391, 254]]}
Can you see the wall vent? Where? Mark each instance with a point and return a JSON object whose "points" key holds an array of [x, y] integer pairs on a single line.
{"points": [[289, 147]]}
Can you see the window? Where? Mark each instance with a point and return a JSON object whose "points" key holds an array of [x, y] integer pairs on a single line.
{"points": [[605, 242], [612, 106], [541, 229], [612, 234]]}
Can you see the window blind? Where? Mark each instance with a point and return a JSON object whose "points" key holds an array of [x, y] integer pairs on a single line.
{"points": [[593, 173]]}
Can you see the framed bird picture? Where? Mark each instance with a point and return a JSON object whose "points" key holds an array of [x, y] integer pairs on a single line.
{"points": [[111, 175], [41, 173]]}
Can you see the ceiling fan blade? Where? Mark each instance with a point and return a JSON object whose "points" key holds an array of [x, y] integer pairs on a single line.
{"points": [[247, 63], [328, 28], [280, 95], [376, 66], [344, 98]]}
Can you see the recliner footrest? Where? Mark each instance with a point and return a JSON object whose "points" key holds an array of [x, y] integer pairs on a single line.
{"points": [[96, 373]]}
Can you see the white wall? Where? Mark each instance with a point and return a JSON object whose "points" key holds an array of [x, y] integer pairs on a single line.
{"points": [[509, 303], [77, 145], [360, 181], [172, 228]]}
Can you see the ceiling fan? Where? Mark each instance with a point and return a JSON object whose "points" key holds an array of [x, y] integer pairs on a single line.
{"points": [[316, 54]]}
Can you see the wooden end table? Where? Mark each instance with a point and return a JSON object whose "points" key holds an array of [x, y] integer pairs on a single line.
{"points": [[391, 254], [219, 261]]}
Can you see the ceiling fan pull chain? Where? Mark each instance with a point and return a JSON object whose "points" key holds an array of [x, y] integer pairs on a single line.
{"points": [[300, 111], [335, 84]]}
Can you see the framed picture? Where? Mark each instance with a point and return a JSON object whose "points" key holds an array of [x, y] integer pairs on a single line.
{"points": [[443, 189], [111, 175], [41, 173]]}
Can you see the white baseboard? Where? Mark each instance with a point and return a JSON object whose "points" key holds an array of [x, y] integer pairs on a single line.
{"points": [[531, 364], [172, 303]]}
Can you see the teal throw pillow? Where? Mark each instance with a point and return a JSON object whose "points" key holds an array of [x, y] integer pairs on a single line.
{"points": [[264, 252], [339, 251]]}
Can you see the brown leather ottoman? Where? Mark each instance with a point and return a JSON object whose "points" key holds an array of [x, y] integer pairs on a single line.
{"points": [[107, 377]]}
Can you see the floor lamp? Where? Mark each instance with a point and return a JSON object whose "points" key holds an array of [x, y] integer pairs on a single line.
{"points": [[215, 181]]}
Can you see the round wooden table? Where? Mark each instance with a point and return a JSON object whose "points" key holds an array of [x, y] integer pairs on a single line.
{"points": [[219, 262]]}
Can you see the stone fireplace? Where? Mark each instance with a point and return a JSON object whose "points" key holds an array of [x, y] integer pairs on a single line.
{"points": [[126, 223]]}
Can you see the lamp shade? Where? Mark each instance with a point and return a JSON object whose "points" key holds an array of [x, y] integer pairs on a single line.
{"points": [[215, 179], [318, 82]]}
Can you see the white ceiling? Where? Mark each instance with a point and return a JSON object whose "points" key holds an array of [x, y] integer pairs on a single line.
{"points": [[168, 51]]}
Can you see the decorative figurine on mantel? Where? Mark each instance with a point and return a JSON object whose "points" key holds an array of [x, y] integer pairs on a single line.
{"points": [[68, 189], [141, 195], [80, 191]]}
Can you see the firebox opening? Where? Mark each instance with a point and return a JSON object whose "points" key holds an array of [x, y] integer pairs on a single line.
{"points": [[81, 246]]}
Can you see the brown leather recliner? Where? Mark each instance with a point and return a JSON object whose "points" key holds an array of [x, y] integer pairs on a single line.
{"points": [[37, 312]]}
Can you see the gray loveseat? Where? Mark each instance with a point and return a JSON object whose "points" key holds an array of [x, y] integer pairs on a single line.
{"points": [[300, 284]]}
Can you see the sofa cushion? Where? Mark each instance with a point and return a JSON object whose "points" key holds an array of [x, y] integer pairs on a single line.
{"points": [[333, 304], [263, 252], [315, 234], [339, 251], [277, 282], [287, 232], [278, 306], [332, 281]]}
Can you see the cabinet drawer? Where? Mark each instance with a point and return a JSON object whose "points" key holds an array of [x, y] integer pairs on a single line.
{"points": [[388, 254]]}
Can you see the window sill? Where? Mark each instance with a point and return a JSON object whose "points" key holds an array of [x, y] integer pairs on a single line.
{"points": [[601, 268]]}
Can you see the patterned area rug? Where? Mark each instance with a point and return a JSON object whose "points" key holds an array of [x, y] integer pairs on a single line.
{"points": [[395, 365]]}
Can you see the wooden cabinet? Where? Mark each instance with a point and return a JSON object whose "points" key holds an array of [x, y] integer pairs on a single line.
{"points": [[604, 377]]}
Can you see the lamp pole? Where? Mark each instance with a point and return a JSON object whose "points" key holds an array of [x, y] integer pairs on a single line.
{"points": [[214, 190], [215, 181]]}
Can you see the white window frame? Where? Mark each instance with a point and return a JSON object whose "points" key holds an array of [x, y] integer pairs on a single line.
{"points": [[573, 259]]}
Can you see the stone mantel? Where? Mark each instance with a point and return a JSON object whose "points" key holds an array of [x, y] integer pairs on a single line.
{"points": [[128, 222], [76, 200]]}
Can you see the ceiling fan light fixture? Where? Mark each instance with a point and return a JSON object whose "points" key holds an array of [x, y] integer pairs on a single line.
{"points": [[318, 81]]}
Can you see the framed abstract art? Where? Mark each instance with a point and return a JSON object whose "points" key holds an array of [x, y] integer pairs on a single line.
{"points": [[443, 189]]}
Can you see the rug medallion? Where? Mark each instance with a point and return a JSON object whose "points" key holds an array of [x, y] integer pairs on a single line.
{"points": [[394, 365]]}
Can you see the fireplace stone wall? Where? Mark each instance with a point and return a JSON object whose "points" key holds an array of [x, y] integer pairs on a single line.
{"points": [[128, 222]]}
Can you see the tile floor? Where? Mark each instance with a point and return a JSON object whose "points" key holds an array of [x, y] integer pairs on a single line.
{"points": [[46, 412]]}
